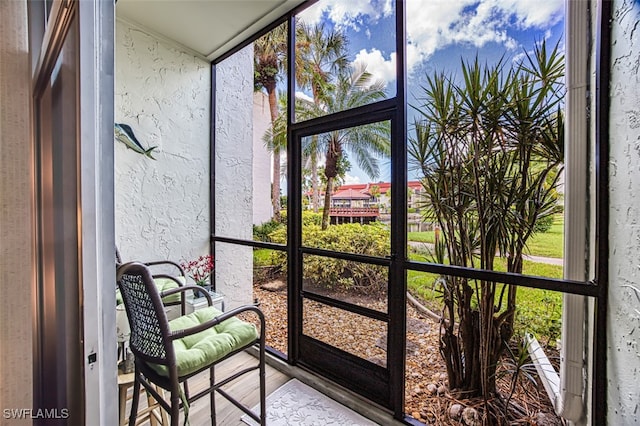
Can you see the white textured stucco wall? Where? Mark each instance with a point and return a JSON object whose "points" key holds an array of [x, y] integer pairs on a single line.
{"points": [[624, 294], [234, 176], [162, 206], [262, 208]]}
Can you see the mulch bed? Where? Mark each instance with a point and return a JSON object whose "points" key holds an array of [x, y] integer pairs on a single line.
{"points": [[427, 397]]}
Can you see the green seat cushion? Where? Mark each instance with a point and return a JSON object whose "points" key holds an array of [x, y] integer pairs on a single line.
{"points": [[199, 350], [162, 284]]}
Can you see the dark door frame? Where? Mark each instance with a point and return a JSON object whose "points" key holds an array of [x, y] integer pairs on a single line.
{"points": [[58, 331], [380, 384]]}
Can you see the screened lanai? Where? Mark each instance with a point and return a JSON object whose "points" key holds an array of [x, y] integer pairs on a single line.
{"points": [[253, 138]]}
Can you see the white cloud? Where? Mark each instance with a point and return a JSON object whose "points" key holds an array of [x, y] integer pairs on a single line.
{"points": [[385, 68], [347, 13], [437, 24], [350, 180], [377, 65], [518, 58], [414, 57], [304, 96], [533, 13]]}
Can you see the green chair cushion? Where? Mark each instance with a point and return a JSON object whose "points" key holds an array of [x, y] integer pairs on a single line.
{"points": [[199, 350], [162, 284]]}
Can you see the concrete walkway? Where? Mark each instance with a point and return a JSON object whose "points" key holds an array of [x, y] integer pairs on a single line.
{"points": [[428, 247], [540, 259]]}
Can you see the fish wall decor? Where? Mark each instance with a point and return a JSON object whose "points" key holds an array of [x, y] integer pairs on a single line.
{"points": [[124, 134]]}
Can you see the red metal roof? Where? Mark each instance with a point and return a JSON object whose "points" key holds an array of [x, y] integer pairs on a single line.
{"points": [[350, 194], [365, 188], [382, 186]]}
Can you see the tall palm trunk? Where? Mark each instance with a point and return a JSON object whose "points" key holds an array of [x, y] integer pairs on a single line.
{"points": [[334, 152], [275, 186], [327, 203], [315, 188]]}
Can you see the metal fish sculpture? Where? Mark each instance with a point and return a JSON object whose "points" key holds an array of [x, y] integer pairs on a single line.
{"points": [[124, 134]]}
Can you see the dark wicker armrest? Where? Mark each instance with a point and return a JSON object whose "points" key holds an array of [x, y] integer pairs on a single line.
{"points": [[171, 277], [180, 289], [184, 288], [167, 262], [178, 334]]}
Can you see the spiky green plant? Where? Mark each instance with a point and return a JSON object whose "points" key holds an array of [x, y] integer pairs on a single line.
{"points": [[490, 150]]}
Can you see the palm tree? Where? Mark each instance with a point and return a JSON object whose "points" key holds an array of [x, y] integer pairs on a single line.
{"points": [[322, 56], [365, 143], [325, 56], [269, 58]]}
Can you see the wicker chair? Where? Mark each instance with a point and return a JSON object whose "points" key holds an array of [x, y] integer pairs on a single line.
{"points": [[167, 353], [163, 281]]}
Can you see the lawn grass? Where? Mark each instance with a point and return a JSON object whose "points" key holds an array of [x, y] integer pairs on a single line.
{"points": [[422, 237], [264, 257], [550, 243], [545, 244], [538, 311]]}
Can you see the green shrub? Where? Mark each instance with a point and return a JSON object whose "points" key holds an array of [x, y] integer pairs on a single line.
{"points": [[543, 224], [311, 218], [261, 232], [338, 274], [308, 217], [283, 216], [540, 313]]}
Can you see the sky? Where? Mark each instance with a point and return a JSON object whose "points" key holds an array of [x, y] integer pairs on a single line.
{"points": [[439, 34]]}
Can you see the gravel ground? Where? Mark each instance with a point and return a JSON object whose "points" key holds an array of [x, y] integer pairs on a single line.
{"points": [[427, 397]]}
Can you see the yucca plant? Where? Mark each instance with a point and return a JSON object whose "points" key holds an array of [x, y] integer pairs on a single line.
{"points": [[489, 148]]}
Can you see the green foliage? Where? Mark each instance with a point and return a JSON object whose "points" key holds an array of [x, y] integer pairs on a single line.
{"points": [[308, 218], [490, 149], [422, 237], [338, 274], [538, 311], [365, 144], [269, 58], [283, 216], [261, 232], [550, 243], [264, 257], [547, 244], [311, 218], [543, 224]]}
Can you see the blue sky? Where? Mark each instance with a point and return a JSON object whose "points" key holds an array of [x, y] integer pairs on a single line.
{"points": [[439, 33]]}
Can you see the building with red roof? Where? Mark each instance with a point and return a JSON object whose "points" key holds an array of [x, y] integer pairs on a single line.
{"points": [[366, 202]]}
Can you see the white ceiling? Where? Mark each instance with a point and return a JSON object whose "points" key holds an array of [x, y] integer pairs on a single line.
{"points": [[207, 27]]}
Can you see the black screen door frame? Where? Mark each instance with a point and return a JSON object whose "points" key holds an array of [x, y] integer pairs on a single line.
{"points": [[383, 385]]}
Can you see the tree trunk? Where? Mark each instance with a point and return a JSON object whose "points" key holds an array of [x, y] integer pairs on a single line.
{"points": [[275, 184], [469, 326], [327, 203], [315, 188], [334, 152], [275, 187]]}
